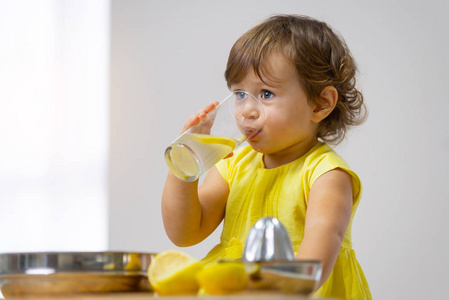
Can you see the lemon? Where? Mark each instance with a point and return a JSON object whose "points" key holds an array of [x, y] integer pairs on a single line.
{"points": [[133, 263], [210, 139], [223, 278], [174, 273], [181, 162]]}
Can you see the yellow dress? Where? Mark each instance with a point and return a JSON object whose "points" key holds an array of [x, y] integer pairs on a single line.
{"points": [[282, 192]]}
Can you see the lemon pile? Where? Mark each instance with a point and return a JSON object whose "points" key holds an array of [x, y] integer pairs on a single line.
{"points": [[176, 273]]}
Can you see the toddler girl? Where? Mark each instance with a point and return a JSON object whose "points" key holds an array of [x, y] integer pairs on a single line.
{"points": [[304, 76]]}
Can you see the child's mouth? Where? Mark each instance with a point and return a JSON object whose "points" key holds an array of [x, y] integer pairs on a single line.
{"points": [[251, 133]]}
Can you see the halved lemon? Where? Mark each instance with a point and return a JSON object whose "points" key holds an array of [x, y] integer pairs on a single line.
{"points": [[174, 273], [223, 278]]}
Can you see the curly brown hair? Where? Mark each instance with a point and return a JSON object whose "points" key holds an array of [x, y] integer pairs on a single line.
{"points": [[321, 58]]}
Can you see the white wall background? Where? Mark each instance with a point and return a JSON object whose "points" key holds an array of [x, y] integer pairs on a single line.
{"points": [[54, 79], [168, 59]]}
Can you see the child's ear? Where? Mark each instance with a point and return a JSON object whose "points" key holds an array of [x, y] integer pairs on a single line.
{"points": [[325, 104]]}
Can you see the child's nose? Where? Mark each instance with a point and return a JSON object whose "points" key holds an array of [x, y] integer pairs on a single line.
{"points": [[252, 109]]}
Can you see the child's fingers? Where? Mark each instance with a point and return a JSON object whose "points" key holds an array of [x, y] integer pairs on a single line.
{"points": [[229, 155], [201, 114], [192, 121], [209, 107]]}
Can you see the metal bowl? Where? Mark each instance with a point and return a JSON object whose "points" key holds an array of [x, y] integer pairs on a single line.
{"points": [[290, 277], [59, 273]]}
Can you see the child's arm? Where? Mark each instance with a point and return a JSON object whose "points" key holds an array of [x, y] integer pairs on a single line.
{"points": [[190, 214], [327, 218]]}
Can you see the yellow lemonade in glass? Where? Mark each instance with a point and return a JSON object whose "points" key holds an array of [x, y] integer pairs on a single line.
{"points": [[193, 153]]}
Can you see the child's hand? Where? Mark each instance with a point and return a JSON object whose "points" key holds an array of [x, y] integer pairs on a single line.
{"points": [[199, 116]]}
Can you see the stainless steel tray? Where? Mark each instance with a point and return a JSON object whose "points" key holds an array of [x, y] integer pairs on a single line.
{"points": [[56, 273], [290, 277]]}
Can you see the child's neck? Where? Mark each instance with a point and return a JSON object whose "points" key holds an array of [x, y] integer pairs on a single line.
{"points": [[288, 155]]}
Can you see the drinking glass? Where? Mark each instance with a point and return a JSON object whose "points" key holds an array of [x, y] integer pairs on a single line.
{"points": [[237, 118]]}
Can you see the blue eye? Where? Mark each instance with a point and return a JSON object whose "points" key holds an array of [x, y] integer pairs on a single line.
{"points": [[240, 95], [267, 95]]}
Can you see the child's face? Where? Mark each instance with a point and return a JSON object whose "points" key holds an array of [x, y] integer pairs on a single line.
{"points": [[288, 127]]}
